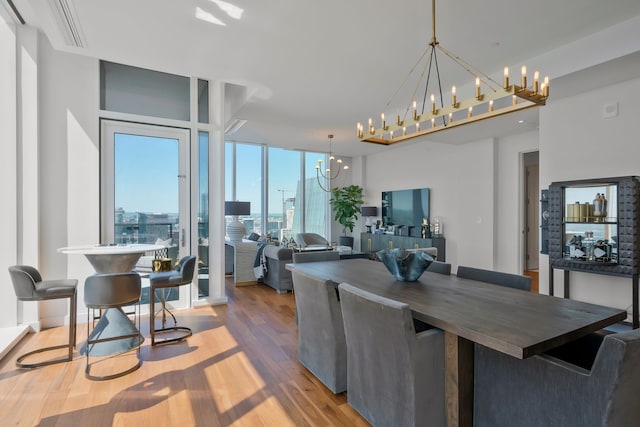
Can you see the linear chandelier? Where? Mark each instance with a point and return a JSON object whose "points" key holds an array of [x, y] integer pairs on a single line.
{"points": [[330, 172], [496, 100]]}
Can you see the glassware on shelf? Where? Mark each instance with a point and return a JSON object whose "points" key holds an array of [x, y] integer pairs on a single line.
{"points": [[588, 244]]}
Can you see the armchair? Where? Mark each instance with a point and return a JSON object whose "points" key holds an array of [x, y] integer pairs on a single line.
{"points": [[560, 388], [310, 241]]}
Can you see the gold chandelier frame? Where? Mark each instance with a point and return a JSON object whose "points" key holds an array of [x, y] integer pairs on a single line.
{"points": [[496, 100]]}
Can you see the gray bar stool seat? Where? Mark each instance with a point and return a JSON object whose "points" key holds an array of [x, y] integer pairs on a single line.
{"points": [[183, 275], [111, 292], [29, 286]]}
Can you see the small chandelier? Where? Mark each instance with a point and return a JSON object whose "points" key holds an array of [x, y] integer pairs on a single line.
{"points": [[496, 100], [330, 172]]}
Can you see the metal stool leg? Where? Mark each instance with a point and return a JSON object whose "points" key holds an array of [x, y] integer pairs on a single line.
{"points": [[90, 343], [185, 331], [70, 345]]}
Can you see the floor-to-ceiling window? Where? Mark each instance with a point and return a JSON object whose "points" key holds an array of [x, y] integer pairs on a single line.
{"points": [[244, 181], [287, 187], [284, 189]]}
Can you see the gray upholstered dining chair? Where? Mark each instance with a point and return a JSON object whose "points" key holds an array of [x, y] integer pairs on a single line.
{"points": [[316, 256], [561, 388], [29, 286], [439, 267], [516, 281], [321, 342], [182, 275], [395, 376], [111, 292]]}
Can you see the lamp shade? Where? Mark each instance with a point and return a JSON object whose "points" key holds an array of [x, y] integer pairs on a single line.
{"points": [[369, 210], [237, 208]]}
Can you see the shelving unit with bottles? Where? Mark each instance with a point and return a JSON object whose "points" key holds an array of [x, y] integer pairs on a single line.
{"points": [[593, 227]]}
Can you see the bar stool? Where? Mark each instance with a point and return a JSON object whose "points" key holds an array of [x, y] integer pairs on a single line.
{"points": [[115, 333], [182, 275], [29, 286]]}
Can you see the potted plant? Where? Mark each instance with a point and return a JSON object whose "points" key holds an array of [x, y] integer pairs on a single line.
{"points": [[346, 202]]}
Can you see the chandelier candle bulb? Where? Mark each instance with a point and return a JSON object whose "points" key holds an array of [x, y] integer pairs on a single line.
{"points": [[536, 75], [384, 125], [415, 111], [404, 131], [478, 95], [491, 105], [545, 90], [470, 113], [453, 97], [450, 117], [433, 103], [524, 77], [506, 77], [433, 122], [514, 100], [398, 120]]}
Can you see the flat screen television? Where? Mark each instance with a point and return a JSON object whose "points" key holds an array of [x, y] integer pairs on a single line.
{"points": [[405, 207]]}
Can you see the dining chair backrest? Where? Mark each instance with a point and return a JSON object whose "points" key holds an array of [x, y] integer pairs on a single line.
{"points": [[601, 394], [495, 277], [321, 342], [395, 376], [316, 256], [439, 267]]}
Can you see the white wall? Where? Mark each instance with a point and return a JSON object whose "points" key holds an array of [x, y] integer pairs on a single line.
{"points": [[576, 142], [8, 170], [69, 167], [471, 191]]}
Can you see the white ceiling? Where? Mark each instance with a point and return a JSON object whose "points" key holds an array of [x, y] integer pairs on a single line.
{"points": [[316, 68]]}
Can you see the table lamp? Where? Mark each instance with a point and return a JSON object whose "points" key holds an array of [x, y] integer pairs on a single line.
{"points": [[369, 211], [236, 229]]}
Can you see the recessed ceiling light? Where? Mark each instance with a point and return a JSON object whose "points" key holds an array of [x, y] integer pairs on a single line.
{"points": [[521, 121]]}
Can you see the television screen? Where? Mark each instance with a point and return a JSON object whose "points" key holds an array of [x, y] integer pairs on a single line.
{"points": [[405, 207]]}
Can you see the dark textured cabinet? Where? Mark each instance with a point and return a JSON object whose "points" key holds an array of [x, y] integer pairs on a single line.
{"points": [[372, 242], [593, 227]]}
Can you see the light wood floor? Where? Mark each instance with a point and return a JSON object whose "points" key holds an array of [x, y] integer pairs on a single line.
{"points": [[239, 368]]}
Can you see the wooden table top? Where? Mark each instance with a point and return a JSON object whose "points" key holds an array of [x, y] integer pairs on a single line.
{"points": [[511, 321]]}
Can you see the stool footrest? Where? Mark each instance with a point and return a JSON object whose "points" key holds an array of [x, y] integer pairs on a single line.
{"points": [[185, 333], [67, 358]]}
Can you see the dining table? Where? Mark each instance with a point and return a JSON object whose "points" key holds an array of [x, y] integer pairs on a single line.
{"points": [[512, 321], [111, 258], [113, 322]]}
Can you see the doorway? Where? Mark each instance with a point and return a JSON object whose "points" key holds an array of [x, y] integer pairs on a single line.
{"points": [[145, 189], [531, 209]]}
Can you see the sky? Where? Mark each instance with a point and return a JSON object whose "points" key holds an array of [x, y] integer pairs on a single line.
{"points": [[146, 173]]}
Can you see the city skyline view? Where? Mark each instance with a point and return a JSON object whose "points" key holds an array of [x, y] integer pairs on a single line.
{"points": [[147, 181]]}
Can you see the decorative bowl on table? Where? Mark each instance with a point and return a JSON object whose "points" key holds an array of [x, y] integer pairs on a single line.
{"points": [[405, 266]]}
